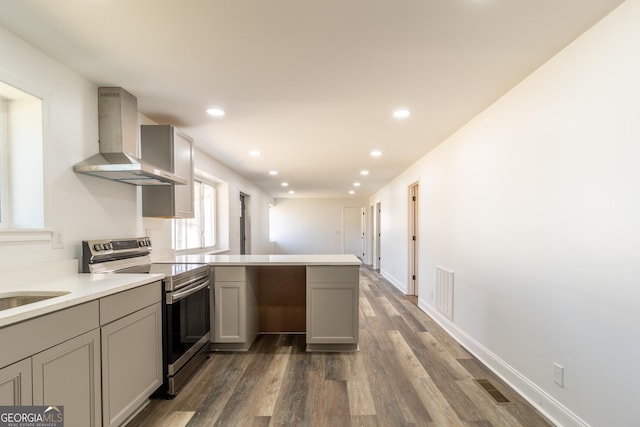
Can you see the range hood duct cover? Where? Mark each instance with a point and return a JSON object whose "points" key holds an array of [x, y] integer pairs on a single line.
{"points": [[118, 129]]}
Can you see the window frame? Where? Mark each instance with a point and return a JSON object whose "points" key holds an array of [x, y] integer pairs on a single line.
{"points": [[199, 215], [4, 166], [13, 226]]}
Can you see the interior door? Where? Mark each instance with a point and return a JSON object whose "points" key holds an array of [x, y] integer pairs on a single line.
{"points": [[243, 225], [353, 226], [377, 236], [413, 239]]}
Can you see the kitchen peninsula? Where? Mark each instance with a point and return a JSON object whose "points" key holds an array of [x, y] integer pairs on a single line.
{"points": [[312, 294]]}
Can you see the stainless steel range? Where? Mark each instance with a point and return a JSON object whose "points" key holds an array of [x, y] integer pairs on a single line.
{"points": [[186, 314]]}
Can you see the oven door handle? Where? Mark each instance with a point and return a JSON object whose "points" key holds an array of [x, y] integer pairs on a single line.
{"points": [[177, 296]]}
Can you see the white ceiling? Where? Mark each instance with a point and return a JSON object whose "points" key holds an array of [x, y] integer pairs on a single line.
{"points": [[311, 84]]}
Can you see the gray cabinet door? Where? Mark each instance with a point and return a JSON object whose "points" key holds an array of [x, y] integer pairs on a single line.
{"points": [[131, 363], [183, 153], [332, 313], [15, 384], [69, 375], [230, 312], [170, 149], [332, 307]]}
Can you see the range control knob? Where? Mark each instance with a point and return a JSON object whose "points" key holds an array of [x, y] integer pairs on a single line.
{"points": [[98, 247]]}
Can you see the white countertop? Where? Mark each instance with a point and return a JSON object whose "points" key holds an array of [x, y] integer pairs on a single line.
{"points": [[86, 287], [81, 288], [265, 259]]}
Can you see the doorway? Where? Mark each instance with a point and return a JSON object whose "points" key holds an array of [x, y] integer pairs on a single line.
{"points": [[377, 236], [353, 232], [244, 225], [413, 240]]}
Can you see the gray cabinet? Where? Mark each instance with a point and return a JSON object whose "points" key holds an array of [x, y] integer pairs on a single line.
{"points": [[131, 337], [66, 374], [69, 375], [58, 364], [101, 360], [172, 150], [15, 384], [236, 308], [332, 308]]}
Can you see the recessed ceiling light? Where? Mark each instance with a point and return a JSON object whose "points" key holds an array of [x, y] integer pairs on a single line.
{"points": [[376, 153], [255, 153], [215, 112], [356, 184], [364, 172], [273, 173], [285, 184], [352, 192], [401, 114], [292, 192]]}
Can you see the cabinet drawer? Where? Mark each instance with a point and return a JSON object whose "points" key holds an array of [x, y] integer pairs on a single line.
{"points": [[32, 336], [333, 274], [230, 274], [123, 303]]}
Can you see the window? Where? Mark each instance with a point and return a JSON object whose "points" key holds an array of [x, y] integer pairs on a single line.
{"points": [[200, 231], [3, 162], [21, 160]]}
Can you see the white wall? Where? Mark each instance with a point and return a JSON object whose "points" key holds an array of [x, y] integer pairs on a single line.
{"points": [[535, 206], [310, 226], [78, 206]]}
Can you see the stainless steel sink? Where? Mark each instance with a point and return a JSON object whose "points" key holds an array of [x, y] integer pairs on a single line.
{"points": [[17, 299]]}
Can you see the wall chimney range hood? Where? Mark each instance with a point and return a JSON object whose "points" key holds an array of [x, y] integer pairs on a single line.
{"points": [[118, 130]]}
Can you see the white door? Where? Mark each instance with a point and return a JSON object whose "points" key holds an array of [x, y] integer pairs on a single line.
{"points": [[413, 240], [353, 224], [377, 236]]}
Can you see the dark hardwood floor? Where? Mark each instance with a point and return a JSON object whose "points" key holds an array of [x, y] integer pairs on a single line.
{"points": [[408, 371]]}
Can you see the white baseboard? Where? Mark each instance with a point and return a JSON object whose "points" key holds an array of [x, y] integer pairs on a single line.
{"points": [[399, 285], [541, 400]]}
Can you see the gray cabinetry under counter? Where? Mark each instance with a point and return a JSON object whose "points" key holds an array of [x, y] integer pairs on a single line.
{"points": [[131, 338], [332, 308], [16, 384], [315, 295], [235, 324], [57, 361]]}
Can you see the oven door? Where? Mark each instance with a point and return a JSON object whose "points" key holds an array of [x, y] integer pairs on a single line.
{"points": [[187, 323]]}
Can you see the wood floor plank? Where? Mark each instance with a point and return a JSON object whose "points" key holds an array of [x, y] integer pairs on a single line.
{"points": [[388, 308], [431, 397], [269, 385], [178, 418], [223, 383], [294, 390], [492, 412], [439, 352], [445, 380], [246, 402], [365, 308], [395, 401], [328, 403], [358, 388], [364, 421]]}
